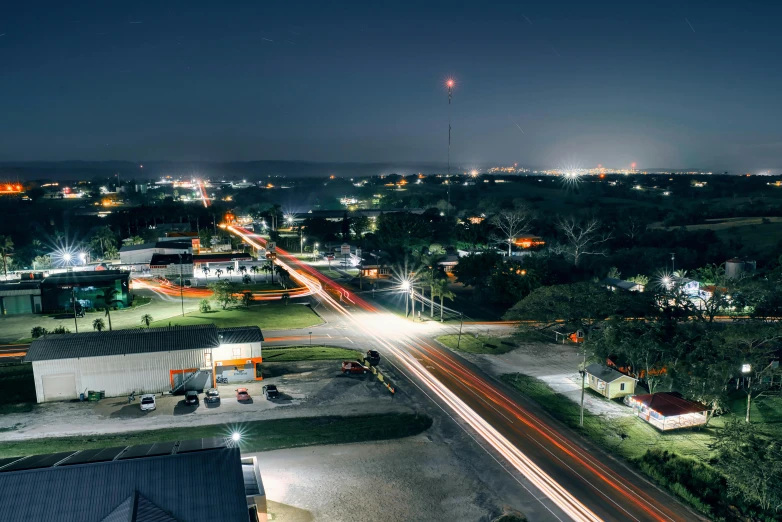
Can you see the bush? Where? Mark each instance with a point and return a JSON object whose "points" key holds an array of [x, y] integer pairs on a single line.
{"points": [[60, 330], [38, 331], [204, 306]]}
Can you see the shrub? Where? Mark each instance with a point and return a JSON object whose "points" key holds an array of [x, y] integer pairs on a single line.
{"points": [[204, 306], [60, 330], [38, 331]]}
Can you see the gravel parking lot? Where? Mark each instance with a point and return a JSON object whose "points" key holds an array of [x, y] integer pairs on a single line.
{"points": [[408, 479], [307, 389]]}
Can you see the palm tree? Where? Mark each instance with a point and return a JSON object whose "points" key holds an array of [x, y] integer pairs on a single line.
{"points": [[282, 273], [229, 269], [442, 290], [146, 319], [247, 298], [218, 272], [111, 252], [255, 269], [285, 298], [98, 324], [269, 269], [242, 269], [6, 247], [109, 296], [105, 238], [206, 271]]}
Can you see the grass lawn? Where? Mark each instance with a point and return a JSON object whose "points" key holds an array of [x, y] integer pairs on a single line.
{"points": [[268, 316], [17, 388], [628, 437], [478, 344], [256, 435], [308, 353]]}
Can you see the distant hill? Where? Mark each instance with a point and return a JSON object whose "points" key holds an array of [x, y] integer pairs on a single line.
{"points": [[252, 170]]}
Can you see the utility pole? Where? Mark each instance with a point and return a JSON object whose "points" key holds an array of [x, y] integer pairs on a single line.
{"points": [[449, 83], [461, 322], [73, 300], [181, 286], [412, 300], [673, 265], [583, 382]]}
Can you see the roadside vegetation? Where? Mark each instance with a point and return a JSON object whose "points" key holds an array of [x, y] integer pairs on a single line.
{"points": [[481, 344], [268, 316], [691, 464], [256, 435], [308, 353]]}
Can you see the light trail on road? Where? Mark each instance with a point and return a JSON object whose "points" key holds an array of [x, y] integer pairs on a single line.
{"points": [[610, 485]]}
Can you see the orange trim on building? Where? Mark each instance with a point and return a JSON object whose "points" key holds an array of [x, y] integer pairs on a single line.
{"points": [[235, 362], [171, 374]]}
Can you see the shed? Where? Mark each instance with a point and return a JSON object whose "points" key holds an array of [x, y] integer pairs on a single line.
{"points": [[668, 411], [609, 382]]}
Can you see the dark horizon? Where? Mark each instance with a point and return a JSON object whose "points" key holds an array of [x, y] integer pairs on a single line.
{"points": [[561, 84]]}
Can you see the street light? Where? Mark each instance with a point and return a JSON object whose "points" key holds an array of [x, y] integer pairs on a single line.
{"points": [[301, 245], [236, 436]]}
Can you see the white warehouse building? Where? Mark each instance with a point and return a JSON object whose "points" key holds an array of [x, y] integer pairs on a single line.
{"points": [[149, 360]]}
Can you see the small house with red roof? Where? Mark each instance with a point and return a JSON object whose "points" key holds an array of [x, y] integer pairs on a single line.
{"points": [[668, 411]]}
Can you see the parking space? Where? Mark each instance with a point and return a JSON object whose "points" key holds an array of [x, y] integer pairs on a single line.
{"points": [[306, 389]]}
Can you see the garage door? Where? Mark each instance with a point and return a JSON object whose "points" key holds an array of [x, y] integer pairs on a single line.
{"points": [[59, 387], [17, 304]]}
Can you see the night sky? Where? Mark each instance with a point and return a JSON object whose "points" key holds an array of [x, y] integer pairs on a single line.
{"points": [[555, 83]]}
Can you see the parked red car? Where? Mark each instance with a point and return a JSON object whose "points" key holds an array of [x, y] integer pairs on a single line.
{"points": [[353, 367], [242, 395]]}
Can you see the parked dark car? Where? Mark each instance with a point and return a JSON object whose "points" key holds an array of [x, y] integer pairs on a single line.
{"points": [[373, 356], [212, 395], [191, 397], [270, 390]]}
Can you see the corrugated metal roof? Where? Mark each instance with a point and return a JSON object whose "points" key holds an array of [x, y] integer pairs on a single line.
{"points": [[240, 334], [668, 404], [170, 485], [604, 373], [122, 342], [86, 276]]}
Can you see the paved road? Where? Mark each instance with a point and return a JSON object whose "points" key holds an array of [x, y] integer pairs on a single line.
{"points": [[571, 478]]}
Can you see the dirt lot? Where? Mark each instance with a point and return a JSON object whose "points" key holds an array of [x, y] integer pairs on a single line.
{"points": [[555, 364], [416, 478], [307, 389]]}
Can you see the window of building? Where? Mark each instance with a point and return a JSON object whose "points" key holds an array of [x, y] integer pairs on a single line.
{"points": [[622, 386], [208, 358]]}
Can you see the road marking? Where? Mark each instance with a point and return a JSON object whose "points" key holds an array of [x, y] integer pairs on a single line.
{"points": [[329, 335], [349, 339]]}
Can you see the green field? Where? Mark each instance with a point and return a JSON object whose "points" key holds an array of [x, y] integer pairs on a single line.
{"points": [[256, 435], [17, 388], [308, 353], [478, 344], [267, 316]]}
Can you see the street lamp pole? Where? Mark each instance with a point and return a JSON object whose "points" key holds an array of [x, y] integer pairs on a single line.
{"points": [[73, 301], [583, 382], [181, 286], [461, 322]]}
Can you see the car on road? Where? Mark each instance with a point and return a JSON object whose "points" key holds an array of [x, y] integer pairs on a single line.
{"points": [[212, 395], [373, 356], [271, 392], [191, 397], [242, 395], [354, 367], [148, 402]]}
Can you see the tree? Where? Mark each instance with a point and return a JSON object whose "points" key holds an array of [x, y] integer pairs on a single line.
{"points": [[109, 296], [223, 293], [204, 306], [640, 279], [98, 324], [284, 276], [752, 464], [146, 320], [442, 290], [476, 269], [111, 252], [246, 279], [42, 262], [359, 225], [511, 224], [247, 298], [230, 270], [268, 267], [104, 238], [6, 248], [614, 273], [242, 269], [255, 269], [218, 272], [583, 239], [285, 297]]}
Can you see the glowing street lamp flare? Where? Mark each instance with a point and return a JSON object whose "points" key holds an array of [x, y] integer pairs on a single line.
{"points": [[236, 436]]}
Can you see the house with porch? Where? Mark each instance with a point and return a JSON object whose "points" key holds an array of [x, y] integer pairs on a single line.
{"points": [[668, 411]]}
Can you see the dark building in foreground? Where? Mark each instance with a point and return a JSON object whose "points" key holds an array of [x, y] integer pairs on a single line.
{"points": [[200, 480], [87, 288]]}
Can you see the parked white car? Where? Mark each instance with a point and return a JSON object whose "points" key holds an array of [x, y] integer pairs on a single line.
{"points": [[148, 402]]}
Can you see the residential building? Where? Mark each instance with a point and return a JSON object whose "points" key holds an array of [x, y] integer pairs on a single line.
{"points": [[608, 382], [202, 480], [145, 360], [88, 288], [620, 284], [668, 411]]}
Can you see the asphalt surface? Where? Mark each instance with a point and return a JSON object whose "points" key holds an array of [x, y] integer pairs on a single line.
{"points": [[572, 478]]}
